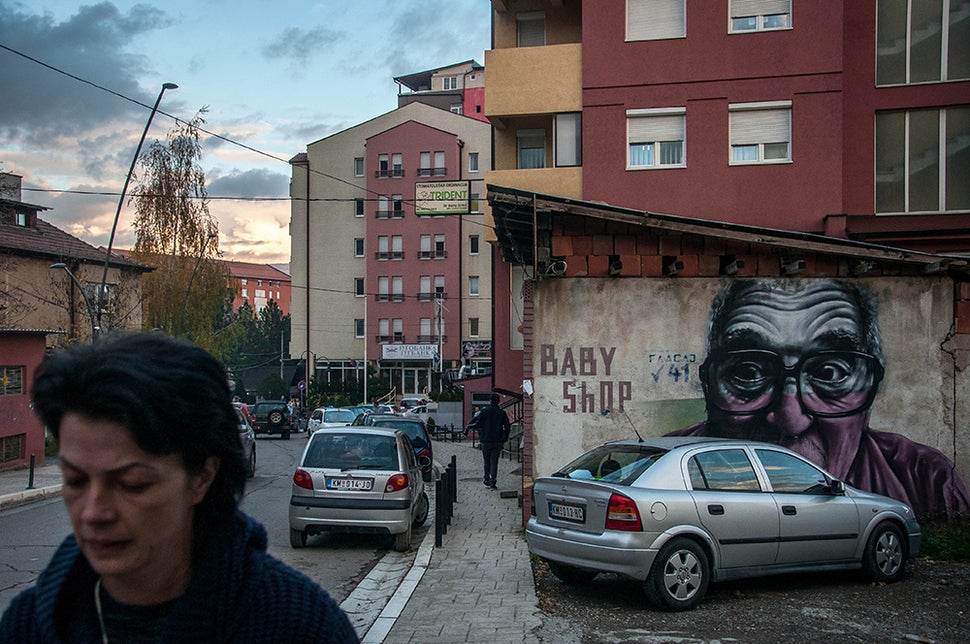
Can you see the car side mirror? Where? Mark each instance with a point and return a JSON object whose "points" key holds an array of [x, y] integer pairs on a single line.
{"points": [[837, 487]]}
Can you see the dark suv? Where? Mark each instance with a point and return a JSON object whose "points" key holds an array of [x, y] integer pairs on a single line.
{"points": [[271, 417]]}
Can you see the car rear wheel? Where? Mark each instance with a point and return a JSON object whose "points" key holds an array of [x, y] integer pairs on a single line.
{"points": [[275, 418], [422, 513], [679, 577], [571, 574], [402, 541], [297, 538], [885, 556]]}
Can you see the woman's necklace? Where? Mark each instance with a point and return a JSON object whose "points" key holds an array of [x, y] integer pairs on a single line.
{"points": [[97, 605]]}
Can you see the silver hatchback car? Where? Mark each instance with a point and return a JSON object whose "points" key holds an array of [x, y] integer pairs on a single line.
{"points": [[358, 479], [680, 513]]}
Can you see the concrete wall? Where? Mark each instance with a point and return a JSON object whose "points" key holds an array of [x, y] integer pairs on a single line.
{"points": [[610, 355]]}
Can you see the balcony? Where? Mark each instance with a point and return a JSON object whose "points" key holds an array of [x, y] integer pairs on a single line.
{"points": [[432, 172], [552, 74], [424, 297], [386, 173], [389, 214], [396, 338]]}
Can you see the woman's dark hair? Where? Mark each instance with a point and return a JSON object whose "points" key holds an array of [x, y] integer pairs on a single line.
{"points": [[172, 396]]}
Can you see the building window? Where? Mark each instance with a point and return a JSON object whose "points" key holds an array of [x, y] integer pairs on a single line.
{"points": [[923, 161], [424, 288], [397, 165], [13, 448], [531, 148], [383, 247], [760, 132], [569, 139], [397, 289], [383, 165], [474, 203], [439, 247], [424, 168], [358, 207], [473, 285], [11, 381], [383, 209], [473, 327], [358, 166], [244, 293], [358, 328], [398, 326], [759, 15], [244, 281], [531, 29], [359, 286], [456, 108], [439, 287], [397, 247], [358, 247], [922, 41], [655, 19], [383, 289], [473, 161], [397, 206], [425, 250], [384, 330], [439, 164], [450, 82], [655, 138], [473, 244]]}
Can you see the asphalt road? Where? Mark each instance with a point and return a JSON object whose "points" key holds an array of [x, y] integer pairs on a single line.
{"points": [[29, 534]]}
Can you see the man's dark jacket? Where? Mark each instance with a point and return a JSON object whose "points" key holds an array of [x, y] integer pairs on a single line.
{"points": [[493, 425]]}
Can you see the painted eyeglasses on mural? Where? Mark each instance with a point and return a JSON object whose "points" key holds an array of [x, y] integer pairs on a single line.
{"points": [[830, 384]]}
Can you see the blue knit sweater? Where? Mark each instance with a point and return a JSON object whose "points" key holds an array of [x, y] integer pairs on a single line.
{"points": [[238, 593]]}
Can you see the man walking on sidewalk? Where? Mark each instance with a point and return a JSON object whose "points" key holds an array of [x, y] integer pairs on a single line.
{"points": [[493, 430]]}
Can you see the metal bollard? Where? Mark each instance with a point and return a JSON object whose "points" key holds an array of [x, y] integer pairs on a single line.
{"points": [[30, 478], [438, 512], [454, 478]]}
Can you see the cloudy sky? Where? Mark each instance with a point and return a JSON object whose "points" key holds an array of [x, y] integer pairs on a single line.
{"points": [[78, 81]]}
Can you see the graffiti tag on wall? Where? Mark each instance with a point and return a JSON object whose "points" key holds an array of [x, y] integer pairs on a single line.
{"points": [[590, 387]]}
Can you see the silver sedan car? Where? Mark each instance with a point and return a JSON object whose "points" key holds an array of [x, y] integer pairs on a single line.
{"points": [[680, 513], [358, 479]]}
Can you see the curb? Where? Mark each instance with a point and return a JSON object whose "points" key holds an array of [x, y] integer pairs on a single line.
{"points": [[17, 499]]}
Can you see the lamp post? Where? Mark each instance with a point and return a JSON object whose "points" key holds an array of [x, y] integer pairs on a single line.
{"points": [[87, 301], [185, 302], [121, 201]]}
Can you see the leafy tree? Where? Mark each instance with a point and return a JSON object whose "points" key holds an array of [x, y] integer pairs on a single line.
{"points": [[186, 293], [272, 387]]}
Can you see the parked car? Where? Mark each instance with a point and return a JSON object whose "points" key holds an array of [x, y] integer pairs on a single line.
{"points": [[409, 402], [413, 426], [680, 513], [247, 437], [358, 479], [271, 417], [325, 417]]}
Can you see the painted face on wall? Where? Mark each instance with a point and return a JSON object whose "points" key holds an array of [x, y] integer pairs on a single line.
{"points": [[788, 364]]}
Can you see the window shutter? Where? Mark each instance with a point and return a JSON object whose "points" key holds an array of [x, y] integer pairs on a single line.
{"points": [[741, 8], [532, 29], [655, 19], [760, 126], [649, 129]]}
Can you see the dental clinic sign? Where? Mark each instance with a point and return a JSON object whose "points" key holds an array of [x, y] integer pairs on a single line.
{"points": [[441, 198]]}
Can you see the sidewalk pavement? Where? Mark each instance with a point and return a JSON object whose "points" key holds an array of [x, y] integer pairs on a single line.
{"points": [[476, 587]]}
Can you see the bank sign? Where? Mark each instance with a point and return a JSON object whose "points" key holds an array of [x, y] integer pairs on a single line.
{"points": [[441, 198], [409, 351]]}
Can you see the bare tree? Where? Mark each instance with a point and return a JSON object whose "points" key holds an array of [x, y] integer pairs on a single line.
{"points": [[175, 233]]}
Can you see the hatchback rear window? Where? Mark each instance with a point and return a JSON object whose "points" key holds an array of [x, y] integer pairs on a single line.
{"points": [[620, 464], [338, 416], [351, 451], [415, 431]]}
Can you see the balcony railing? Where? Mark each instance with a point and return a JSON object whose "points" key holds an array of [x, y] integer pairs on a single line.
{"points": [[432, 339], [394, 338], [397, 173], [432, 172], [424, 297], [397, 213], [383, 297]]}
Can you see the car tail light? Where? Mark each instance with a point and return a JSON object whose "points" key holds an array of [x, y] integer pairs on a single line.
{"points": [[622, 514], [303, 479], [425, 452], [397, 482]]}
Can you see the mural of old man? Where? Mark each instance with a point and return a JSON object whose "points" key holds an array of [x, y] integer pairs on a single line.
{"points": [[799, 363]]}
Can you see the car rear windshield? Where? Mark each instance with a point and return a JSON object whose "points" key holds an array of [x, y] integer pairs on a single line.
{"points": [[414, 430], [620, 464], [351, 451], [338, 416]]}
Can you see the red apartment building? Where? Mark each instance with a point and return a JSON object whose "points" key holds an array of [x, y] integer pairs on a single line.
{"points": [[258, 284], [847, 119]]}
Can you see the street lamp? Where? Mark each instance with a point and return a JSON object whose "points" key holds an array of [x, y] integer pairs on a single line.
{"points": [[87, 301], [188, 288], [121, 201]]}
